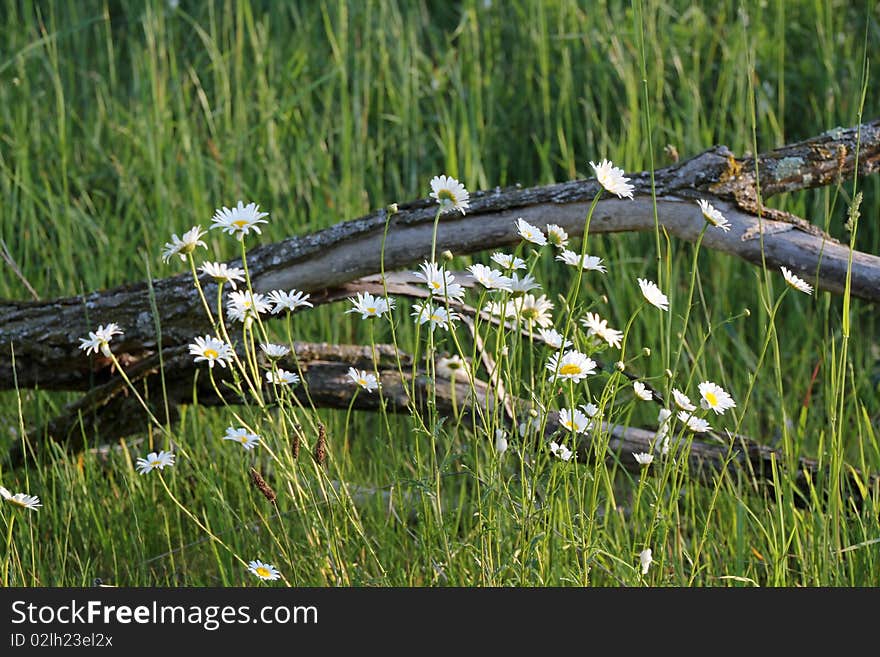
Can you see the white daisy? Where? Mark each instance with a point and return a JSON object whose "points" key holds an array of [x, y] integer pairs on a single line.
{"points": [[426, 312], [597, 326], [282, 377], [439, 281], [661, 437], [530, 233], [641, 391], [289, 301], [242, 436], [694, 423], [653, 294], [507, 261], [683, 401], [561, 451], [223, 273], [572, 366], [263, 570], [100, 340], [182, 246], [240, 220], [533, 311], [500, 441], [590, 410], [612, 179], [557, 236], [449, 193], [245, 305], [574, 260], [454, 366], [715, 397], [533, 424], [369, 306], [21, 500], [274, 351], [798, 284], [491, 279], [364, 379], [522, 285], [713, 216], [642, 458], [212, 350], [645, 560], [573, 420], [154, 460], [552, 338]]}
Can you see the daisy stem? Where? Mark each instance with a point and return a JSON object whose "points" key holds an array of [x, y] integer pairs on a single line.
{"points": [[434, 235], [8, 549], [192, 268], [255, 391], [687, 307], [575, 290], [137, 395], [348, 420]]}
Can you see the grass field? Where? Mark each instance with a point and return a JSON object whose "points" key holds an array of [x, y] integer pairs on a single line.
{"points": [[124, 122]]}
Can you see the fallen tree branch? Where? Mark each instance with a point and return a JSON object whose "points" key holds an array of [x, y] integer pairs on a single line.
{"points": [[45, 334], [112, 413]]}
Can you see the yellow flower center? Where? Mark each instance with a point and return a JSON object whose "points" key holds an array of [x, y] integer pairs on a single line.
{"points": [[444, 195], [436, 285], [711, 399], [530, 313], [371, 310], [155, 463], [16, 502], [263, 572], [241, 223], [210, 353], [569, 369], [243, 440], [362, 382]]}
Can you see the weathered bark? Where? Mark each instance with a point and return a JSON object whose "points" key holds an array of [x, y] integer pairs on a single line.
{"points": [[112, 412], [45, 334]]}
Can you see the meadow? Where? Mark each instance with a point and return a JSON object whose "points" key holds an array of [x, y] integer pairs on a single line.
{"points": [[124, 123]]}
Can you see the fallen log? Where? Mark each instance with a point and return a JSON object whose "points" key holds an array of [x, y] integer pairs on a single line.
{"points": [[45, 335]]}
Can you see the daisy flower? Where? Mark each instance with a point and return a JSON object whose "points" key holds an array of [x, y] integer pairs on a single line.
{"points": [[798, 284], [612, 179], [552, 338], [369, 306], [653, 295], [715, 397], [526, 284], [662, 433], [223, 273], [242, 436], [282, 377], [713, 216], [454, 365], [364, 379], [530, 233], [274, 351], [491, 279], [641, 391], [100, 340], [289, 301], [240, 220], [182, 246], [589, 409], [500, 441], [154, 460], [449, 193], [572, 366], [246, 305], [573, 420], [642, 458], [263, 570], [557, 236], [645, 560], [694, 423], [574, 260], [212, 350], [21, 500], [533, 311], [426, 312], [597, 326], [439, 281], [683, 401], [561, 451], [508, 261]]}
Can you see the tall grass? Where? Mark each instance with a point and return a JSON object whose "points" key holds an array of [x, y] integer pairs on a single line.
{"points": [[122, 123]]}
